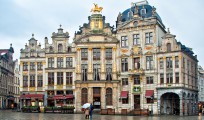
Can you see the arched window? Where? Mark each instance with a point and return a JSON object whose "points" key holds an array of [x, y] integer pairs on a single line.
{"points": [[168, 47], [84, 96], [60, 48], [109, 96]]}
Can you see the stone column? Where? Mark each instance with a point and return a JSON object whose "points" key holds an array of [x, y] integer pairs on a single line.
{"points": [[90, 95], [78, 64], [115, 98], [164, 63], [173, 66], [114, 70], [90, 62], [103, 63], [103, 98], [78, 99]]}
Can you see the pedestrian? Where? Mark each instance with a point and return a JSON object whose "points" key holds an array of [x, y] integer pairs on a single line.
{"points": [[91, 111], [87, 113]]}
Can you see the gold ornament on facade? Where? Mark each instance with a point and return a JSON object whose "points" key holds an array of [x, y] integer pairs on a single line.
{"points": [[32, 88], [173, 57], [164, 58], [78, 49], [43, 62], [96, 9], [59, 87], [103, 48], [114, 48], [90, 49], [124, 50], [21, 63], [148, 47]]}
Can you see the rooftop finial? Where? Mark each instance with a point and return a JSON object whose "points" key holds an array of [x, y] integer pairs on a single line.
{"points": [[60, 25], [11, 45], [32, 35], [168, 31]]}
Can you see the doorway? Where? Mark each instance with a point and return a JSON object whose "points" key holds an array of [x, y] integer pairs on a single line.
{"points": [[97, 97], [136, 101]]}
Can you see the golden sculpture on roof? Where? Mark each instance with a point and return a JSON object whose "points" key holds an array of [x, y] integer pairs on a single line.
{"points": [[96, 8]]}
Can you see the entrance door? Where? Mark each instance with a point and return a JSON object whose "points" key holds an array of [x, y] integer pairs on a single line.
{"points": [[136, 101], [97, 97]]}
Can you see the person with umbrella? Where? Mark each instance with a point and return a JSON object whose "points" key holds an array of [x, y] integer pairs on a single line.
{"points": [[86, 108]]}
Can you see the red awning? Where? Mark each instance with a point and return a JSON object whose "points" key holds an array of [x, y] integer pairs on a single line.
{"points": [[34, 96], [149, 93], [69, 96], [124, 94]]}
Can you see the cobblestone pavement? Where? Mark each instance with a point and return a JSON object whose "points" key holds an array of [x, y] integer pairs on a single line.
{"points": [[9, 115]]}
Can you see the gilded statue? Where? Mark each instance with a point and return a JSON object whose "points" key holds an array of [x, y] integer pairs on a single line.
{"points": [[96, 8]]}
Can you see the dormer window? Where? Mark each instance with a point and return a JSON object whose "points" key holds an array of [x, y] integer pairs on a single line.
{"points": [[60, 48], [51, 49], [143, 11]]}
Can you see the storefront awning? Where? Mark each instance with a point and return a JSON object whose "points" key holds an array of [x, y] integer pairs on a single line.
{"points": [[32, 96], [124, 94], [69, 96], [149, 93]]}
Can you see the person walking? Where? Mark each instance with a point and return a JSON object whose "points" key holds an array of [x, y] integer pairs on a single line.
{"points": [[91, 111], [87, 111]]}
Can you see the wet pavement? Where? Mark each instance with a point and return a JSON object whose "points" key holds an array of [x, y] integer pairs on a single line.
{"points": [[9, 115]]}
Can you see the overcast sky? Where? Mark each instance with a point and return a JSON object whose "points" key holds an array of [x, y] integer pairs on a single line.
{"points": [[20, 18]]}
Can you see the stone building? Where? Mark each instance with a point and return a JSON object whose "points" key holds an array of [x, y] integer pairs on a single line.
{"points": [[6, 78], [200, 88], [137, 65], [32, 74], [16, 84]]}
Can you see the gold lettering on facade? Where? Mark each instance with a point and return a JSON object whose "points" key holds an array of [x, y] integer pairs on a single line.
{"points": [[78, 49]]}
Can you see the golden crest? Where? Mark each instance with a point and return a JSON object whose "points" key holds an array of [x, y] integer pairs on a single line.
{"points": [[148, 47]]}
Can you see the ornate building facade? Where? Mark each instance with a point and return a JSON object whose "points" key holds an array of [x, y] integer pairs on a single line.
{"points": [[7, 78], [138, 65]]}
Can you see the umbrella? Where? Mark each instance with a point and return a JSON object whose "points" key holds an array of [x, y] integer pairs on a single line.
{"points": [[86, 105]]}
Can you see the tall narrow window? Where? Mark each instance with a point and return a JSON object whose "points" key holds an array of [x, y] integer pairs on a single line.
{"points": [[149, 80], [137, 80], [124, 64], [51, 62], [136, 39], [169, 62], [60, 48], [69, 62], [59, 78], [84, 54], [109, 96], [96, 72], [32, 80], [39, 65], [168, 47], [149, 62], [108, 53], [124, 81], [25, 81], [184, 62], [60, 62], [84, 96], [176, 62], [169, 78], [149, 38], [69, 78], [161, 63], [177, 77], [40, 80], [50, 78], [108, 72], [124, 41], [136, 62], [84, 72], [32, 65], [161, 78], [96, 54], [25, 66]]}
